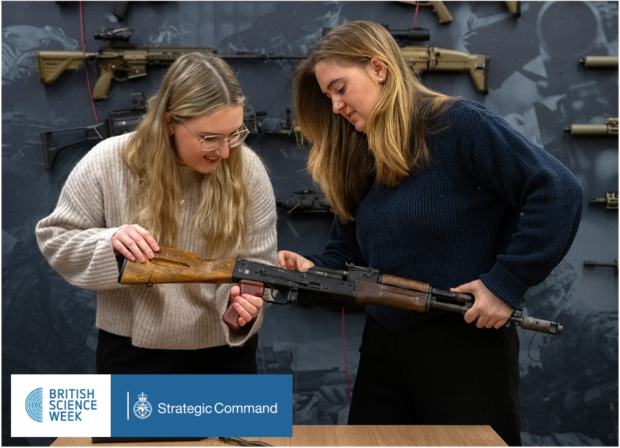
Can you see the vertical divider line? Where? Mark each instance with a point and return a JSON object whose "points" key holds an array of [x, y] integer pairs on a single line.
{"points": [[127, 405]]}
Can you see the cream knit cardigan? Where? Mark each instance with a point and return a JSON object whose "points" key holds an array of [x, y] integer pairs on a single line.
{"points": [[76, 241]]}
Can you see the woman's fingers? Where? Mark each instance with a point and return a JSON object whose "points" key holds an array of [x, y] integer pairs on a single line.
{"points": [[291, 260], [133, 241], [247, 307]]}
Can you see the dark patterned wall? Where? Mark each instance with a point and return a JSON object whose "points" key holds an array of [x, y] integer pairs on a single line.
{"points": [[569, 384]]}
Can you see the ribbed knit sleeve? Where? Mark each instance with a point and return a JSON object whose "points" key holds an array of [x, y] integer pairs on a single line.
{"points": [[342, 248], [534, 183], [76, 237]]}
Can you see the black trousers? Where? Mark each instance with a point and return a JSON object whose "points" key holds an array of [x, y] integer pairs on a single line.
{"points": [[116, 355], [441, 372]]}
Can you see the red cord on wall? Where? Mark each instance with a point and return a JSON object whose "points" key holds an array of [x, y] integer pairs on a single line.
{"points": [[90, 93], [417, 5], [346, 364]]}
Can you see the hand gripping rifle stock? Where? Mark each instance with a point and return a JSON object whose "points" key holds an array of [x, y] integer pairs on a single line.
{"points": [[355, 285]]}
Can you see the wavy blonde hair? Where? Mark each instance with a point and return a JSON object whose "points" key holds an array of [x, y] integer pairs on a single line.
{"points": [[343, 161], [195, 85]]}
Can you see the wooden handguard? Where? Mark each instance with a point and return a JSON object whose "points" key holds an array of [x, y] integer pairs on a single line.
{"points": [[405, 283], [377, 294], [176, 266], [231, 316]]}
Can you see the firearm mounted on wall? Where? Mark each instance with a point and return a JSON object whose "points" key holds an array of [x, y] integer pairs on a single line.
{"points": [[121, 60]]}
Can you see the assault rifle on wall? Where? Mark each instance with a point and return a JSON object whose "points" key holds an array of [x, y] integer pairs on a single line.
{"points": [[118, 122], [120, 60], [609, 129], [423, 57], [610, 200], [357, 285], [306, 201]]}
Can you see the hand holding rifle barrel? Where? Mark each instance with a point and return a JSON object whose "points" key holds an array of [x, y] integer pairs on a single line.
{"points": [[355, 285]]}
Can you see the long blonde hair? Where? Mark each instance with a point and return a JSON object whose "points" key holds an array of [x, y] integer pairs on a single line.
{"points": [[343, 161], [195, 85]]}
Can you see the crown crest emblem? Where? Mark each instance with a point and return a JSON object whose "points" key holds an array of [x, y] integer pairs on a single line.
{"points": [[142, 397]]}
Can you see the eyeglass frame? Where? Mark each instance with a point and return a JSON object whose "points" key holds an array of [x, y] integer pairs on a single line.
{"points": [[245, 131]]}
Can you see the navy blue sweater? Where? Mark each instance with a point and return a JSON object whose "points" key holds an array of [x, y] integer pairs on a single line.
{"points": [[490, 206]]}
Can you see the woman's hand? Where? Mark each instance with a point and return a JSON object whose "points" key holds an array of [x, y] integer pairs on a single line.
{"points": [[133, 241], [291, 260], [490, 310], [246, 305]]}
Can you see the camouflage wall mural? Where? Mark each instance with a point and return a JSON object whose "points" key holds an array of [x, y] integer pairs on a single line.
{"points": [[569, 384]]}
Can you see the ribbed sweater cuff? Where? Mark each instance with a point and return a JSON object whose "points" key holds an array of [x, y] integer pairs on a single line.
{"points": [[505, 286]]}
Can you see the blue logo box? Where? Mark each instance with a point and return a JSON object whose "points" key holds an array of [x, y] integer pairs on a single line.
{"points": [[202, 406]]}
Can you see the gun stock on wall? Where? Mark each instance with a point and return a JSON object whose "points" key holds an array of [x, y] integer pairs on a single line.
{"points": [[121, 60], [118, 122], [355, 285], [439, 8], [422, 58]]}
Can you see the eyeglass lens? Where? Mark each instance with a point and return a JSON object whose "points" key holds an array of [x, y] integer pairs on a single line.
{"points": [[211, 144]]}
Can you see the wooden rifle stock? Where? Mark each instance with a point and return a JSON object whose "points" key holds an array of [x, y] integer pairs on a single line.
{"points": [[176, 266]]}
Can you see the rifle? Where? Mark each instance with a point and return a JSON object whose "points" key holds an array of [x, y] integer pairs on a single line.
{"points": [[610, 200], [421, 58], [118, 122], [121, 60], [355, 285], [610, 128], [600, 62], [306, 200]]}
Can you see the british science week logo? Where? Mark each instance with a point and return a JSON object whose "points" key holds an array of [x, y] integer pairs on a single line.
{"points": [[65, 405], [34, 405]]}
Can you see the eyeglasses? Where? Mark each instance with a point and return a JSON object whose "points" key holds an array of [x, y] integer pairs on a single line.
{"points": [[212, 142]]}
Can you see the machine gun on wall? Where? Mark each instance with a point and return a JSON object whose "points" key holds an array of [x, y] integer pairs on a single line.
{"points": [[118, 122], [423, 58], [120, 60]]}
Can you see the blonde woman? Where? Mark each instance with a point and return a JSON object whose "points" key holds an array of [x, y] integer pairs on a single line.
{"points": [[185, 179], [439, 190]]}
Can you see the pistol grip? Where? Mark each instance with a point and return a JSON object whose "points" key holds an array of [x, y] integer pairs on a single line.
{"points": [[231, 316]]}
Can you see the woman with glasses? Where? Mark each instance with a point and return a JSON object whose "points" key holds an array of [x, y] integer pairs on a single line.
{"points": [[183, 179], [439, 190]]}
